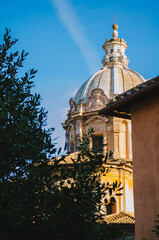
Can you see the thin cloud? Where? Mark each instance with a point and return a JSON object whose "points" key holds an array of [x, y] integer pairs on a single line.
{"points": [[71, 22]]}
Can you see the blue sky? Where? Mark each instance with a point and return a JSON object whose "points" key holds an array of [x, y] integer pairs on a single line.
{"points": [[64, 39]]}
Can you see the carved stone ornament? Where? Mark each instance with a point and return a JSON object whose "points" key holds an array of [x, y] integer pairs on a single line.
{"points": [[97, 99], [72, 105]]}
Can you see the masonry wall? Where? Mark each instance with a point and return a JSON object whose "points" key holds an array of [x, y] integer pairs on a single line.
{"points": [[145, 140]]}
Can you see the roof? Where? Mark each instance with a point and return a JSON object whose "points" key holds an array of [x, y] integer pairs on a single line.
{"points": [[120, 218], [120, 107], [105, 79]]}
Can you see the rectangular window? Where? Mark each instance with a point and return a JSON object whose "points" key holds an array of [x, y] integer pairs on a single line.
{"points": [[71, 147], [97, 143]]}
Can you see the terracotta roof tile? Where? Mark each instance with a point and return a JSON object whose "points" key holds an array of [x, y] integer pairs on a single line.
{"points": [[120, 218]]}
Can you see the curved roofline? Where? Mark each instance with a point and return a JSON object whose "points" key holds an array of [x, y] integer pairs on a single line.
{"points": [[99, 77], [136, 74], [90, 81]]}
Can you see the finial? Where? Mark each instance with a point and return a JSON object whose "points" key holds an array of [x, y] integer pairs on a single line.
{"points": [[115, 28]]}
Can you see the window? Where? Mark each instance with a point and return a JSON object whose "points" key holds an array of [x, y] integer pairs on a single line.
{"points": [[111, 50], [111, 59], [111, 207], [71, 147], [97, 143]]}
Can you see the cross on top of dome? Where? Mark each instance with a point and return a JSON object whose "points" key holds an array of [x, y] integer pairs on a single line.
{"points": [[115, 28]]}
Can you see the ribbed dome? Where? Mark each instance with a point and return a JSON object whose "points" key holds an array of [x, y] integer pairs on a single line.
{"points": [[106, 80]]}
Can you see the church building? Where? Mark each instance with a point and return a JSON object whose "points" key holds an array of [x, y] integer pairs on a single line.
{"points": [[111, 133]]}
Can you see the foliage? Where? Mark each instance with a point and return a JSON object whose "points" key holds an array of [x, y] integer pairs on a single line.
{"points": [[82, 191], [86, 152], [156, 227], [24, 143], [22, 137], [43, 199]]}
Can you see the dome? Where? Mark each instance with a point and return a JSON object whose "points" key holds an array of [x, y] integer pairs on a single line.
{"points": [[112, 80], [115, 77]]}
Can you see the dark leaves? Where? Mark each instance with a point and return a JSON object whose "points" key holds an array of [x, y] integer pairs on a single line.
{"points": [[43, 196]]}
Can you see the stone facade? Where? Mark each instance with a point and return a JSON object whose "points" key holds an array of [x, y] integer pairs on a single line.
{"points": [[114, 78]]}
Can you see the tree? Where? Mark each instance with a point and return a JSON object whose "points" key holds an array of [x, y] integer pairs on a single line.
{"points": [[156, 227], [22, 137], [39, 198], [24, 142], [82, 192]]}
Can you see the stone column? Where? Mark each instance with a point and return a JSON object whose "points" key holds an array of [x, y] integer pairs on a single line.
{"points": [[75, 140], [110, 134], [67, 142]]}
